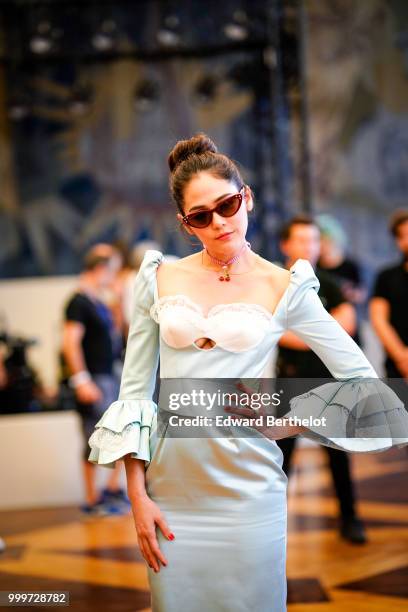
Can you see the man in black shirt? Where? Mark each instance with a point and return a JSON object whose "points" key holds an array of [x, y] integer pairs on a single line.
{"points": [[90, 346], [389, 303], [341, 268], [300, 239]]}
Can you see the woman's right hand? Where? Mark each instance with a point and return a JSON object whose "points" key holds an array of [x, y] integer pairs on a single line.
{"points": [[147, 515]]}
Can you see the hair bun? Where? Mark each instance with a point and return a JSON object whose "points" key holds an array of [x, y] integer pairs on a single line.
{"points": [[197, 145]]}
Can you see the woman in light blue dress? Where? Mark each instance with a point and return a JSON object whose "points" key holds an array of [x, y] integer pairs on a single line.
{"points": [[210, 512]]}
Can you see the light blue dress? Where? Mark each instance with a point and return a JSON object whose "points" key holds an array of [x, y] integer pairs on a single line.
{"points": [[223, 498]]}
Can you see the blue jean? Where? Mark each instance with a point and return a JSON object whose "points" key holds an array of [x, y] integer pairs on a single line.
{"points": [[91, 413]]}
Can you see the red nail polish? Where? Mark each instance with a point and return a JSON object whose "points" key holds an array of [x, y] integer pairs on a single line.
{"points": [[171, 536]]}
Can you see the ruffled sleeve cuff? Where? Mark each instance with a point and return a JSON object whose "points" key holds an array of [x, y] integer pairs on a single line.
{"points": [[353, 415], [123, 429]]}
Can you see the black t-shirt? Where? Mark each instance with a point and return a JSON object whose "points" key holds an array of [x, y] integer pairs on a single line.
{"points": [[346, 272], [306, 364], [97, 341], [392, 285]]}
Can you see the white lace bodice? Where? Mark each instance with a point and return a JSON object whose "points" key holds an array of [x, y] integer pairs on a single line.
{"points": [[235, 327]]}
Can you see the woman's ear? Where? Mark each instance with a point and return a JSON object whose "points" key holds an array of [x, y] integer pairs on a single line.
{"points": [[249, 198]]}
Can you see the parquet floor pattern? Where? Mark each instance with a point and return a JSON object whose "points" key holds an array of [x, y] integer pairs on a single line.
{"points": [[98, 562]]}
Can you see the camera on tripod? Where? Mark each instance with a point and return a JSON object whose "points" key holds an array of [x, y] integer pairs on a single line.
{"points": [[20, 391]]}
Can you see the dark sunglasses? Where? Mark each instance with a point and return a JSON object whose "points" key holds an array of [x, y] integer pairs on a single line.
{"points": [[226, 208]]}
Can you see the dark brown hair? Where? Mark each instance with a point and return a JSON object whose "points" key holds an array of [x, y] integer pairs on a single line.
{"points": [[99, 255], [397, 219], [198, 154], [300, 219]]}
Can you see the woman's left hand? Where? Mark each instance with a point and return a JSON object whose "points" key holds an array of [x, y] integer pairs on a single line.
{"points": [[273, 432]]}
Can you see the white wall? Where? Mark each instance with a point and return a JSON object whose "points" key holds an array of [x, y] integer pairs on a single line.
{"points": [[40, 461], [40, 453], [33, 307]]}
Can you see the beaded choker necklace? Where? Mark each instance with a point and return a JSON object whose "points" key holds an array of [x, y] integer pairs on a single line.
{"points": [[224, 272]]}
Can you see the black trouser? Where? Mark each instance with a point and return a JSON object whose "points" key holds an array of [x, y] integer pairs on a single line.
{"points": [[340, 468], [391, 369]]}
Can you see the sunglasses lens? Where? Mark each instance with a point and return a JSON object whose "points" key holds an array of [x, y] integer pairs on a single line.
{"points": [[200, 219], [227, 208], [230, 206]]}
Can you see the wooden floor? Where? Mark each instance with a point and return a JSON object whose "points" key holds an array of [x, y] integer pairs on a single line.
{"points": [[98, 562]]}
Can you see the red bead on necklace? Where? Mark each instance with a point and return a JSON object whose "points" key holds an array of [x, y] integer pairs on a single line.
{"points": [[225, 276]]}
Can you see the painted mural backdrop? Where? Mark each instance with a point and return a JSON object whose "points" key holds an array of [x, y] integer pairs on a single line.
{"points": [[357, 58], [74, 175], [78, 170]]}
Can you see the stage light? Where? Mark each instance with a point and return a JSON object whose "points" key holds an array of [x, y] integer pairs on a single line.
{"points": [[167, 34], [167, 38], [41, 41], [105, 38], [237, 29], [18, 108], [270, 57], [171, 21], [240, 16], [236, 32]]}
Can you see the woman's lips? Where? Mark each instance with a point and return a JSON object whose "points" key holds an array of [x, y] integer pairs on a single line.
{"points": [[225, 236]]}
